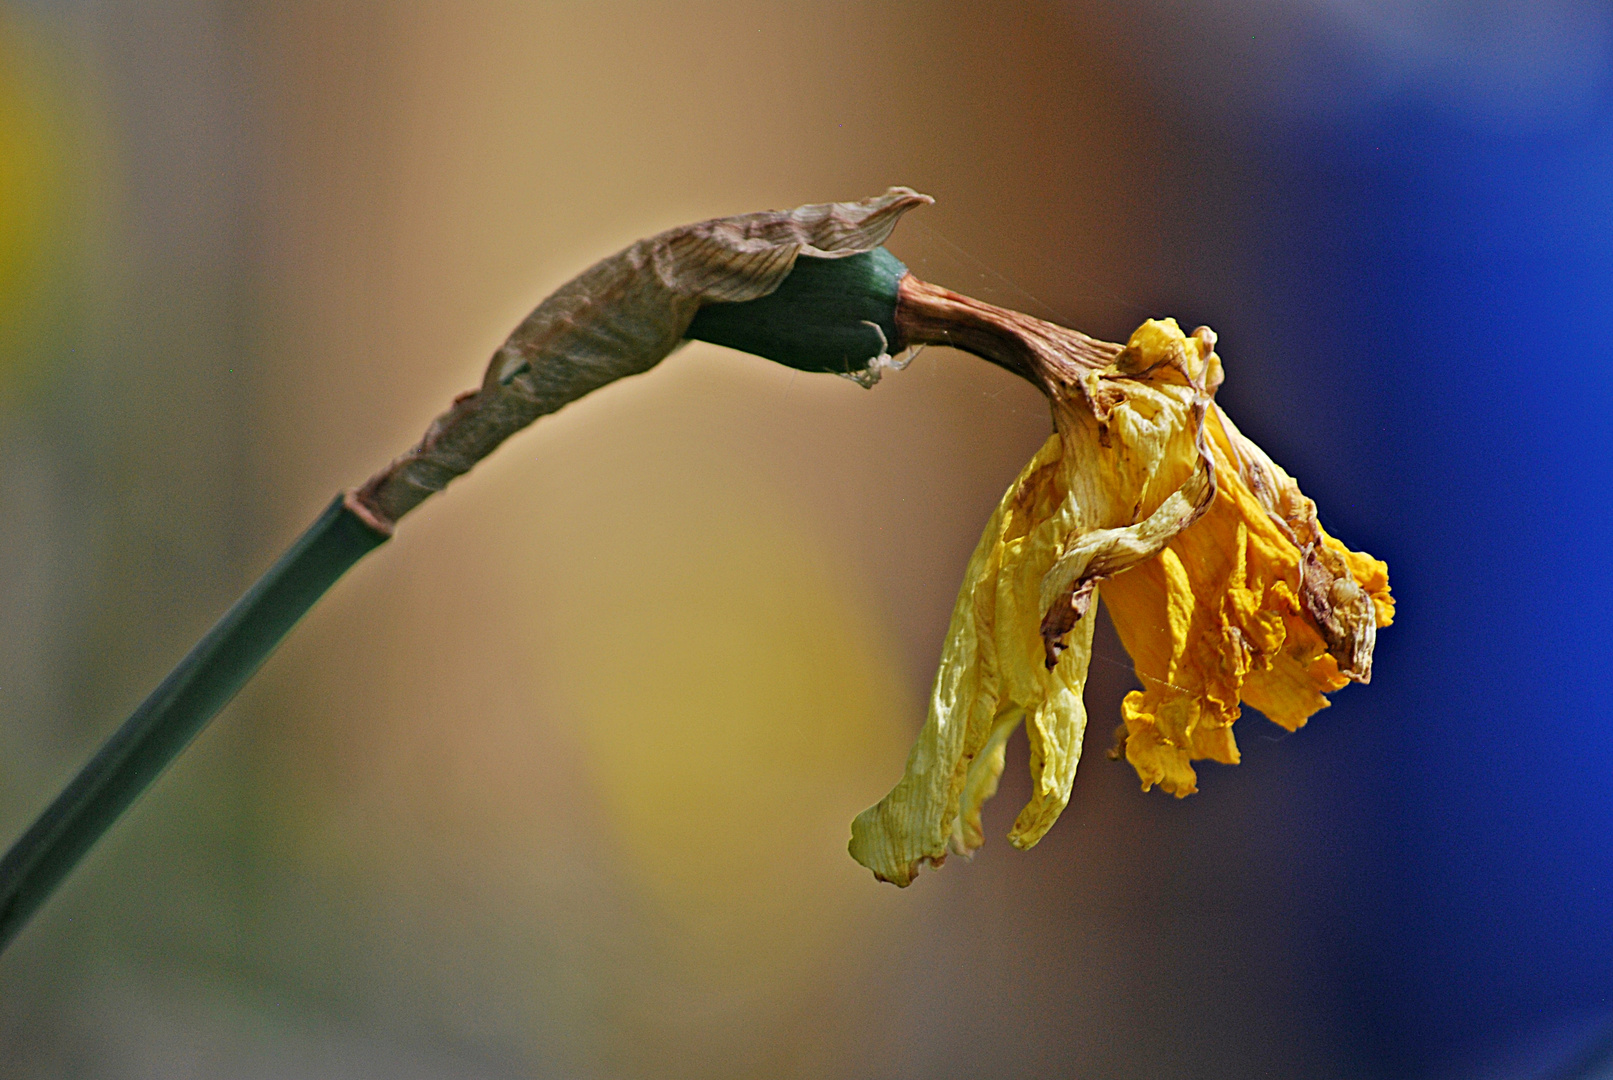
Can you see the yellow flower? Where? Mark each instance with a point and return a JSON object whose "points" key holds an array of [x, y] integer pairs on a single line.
{"points": [[1220, 581]]}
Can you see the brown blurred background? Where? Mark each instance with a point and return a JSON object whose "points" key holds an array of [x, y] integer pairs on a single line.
{"points": [[559, 782]]}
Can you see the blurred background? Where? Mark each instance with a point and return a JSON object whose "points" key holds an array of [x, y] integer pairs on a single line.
{"points": [[558, 783]]}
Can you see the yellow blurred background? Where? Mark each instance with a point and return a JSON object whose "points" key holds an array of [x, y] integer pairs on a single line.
{"points": [[558, 782]]}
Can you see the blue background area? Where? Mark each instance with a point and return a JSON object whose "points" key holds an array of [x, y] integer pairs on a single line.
{"points": [[1454, 285]]}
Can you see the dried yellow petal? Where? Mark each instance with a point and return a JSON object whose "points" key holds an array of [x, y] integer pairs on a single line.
{"points": [[1221, 582]]}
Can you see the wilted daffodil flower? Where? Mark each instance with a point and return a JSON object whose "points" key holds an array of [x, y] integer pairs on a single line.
{"points": [[1221, 583]]}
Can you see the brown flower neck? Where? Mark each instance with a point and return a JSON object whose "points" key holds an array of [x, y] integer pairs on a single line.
{"points": [[1050, 357]]}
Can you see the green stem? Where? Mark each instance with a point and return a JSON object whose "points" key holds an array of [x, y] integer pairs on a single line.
{"points": [[165, 723]]}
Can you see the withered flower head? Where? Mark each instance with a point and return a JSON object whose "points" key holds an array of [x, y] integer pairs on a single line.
{"points": [[1221, 582]]}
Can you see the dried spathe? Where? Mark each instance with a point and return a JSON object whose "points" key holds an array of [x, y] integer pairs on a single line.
{"points": [[1220, 581], [621, 317]]}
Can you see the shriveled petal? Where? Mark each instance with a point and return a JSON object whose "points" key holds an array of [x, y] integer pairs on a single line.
{"points": [[1343, 579], [980, 784], [1049, 695], [913, 824], [1102, 553], [1055, 731], [1228, 614]]}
